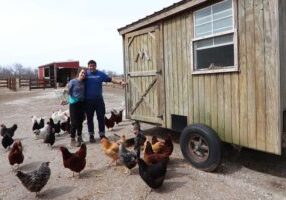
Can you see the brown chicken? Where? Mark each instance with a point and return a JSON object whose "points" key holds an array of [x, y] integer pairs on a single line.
{"points": [[74, 161], [15, 155], [168, 146], [152, 158], [156, 144], [111, 149]]}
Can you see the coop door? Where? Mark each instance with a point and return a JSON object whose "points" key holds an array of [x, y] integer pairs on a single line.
{"points": [[144, 96]]}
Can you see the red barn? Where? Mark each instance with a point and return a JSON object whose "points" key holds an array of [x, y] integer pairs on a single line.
{"points": [[58, 72]]}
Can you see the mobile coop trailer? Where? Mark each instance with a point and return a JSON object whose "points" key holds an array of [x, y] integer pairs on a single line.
{"points": [[214, 70]]}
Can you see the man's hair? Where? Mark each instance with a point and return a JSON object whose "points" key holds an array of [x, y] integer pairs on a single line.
{"points": [[91, 62]]}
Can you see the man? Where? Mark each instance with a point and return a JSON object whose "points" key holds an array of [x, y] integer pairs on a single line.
{"points": [[94, 100]]}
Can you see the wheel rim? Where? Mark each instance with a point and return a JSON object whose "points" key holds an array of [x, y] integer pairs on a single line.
{"points": [[198, 148]]}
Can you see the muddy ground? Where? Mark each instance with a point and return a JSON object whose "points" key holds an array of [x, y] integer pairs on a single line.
{"points": [[242, 175]]}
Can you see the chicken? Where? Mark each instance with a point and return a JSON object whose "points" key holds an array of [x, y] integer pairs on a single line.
{"points": [[41, 134], [15, 155], [151, 158], [128, 158], [109, 123], [8, 131], [7, 141], [66, 126], [156, 144], [50, 136], [116, 116], [139, 139], [38, 123], [74, 161], [60, 116], [111, 149], [153, 175], [168, 146], [34, 181]]}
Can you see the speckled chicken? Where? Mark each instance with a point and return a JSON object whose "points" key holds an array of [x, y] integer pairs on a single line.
{"points": [[34, 181], [128, 158]]}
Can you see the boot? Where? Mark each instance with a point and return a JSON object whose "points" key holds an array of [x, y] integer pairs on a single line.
{"points": [[73, 142], [79, 141]]}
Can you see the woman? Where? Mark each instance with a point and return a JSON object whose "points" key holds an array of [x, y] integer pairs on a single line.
{"points": [[75, 100]]}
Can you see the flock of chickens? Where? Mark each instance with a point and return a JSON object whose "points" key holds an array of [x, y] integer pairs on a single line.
{"points": [[152, 166]]}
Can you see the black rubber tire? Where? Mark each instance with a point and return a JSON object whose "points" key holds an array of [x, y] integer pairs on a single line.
{"points": [[214, 144]]}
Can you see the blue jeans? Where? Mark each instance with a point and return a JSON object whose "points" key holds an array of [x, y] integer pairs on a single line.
{"points": [[97, 106]]}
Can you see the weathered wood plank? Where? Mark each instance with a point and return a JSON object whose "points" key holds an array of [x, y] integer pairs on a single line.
{"points": [[251, 76], [185, 66], [178, 66], [201, 92], [196, 99], [273, 139], [260, 74], [174, 67], [235, 108], [207, 98], [227, 108], [214, 102], [221, 102], [243, 122]]}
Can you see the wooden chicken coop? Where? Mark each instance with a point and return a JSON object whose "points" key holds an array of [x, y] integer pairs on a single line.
{"points": [[214, 70]]}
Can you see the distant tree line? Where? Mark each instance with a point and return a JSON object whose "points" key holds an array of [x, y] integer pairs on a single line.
{"points": [[111, 73], [17, 70]]}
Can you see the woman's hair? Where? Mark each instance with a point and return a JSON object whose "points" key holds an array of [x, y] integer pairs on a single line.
{"points": [[79, 70]]}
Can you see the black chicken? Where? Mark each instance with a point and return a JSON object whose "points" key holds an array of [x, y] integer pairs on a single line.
{"points": [[37, 126], [116, 116], [66, 126], [153, 175], [7, 141], [109, 123], [128, 158], [8, 131], [50, 136], [35, 180]]}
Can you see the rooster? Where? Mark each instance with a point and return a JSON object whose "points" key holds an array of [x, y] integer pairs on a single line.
{"points": [[111, 149], [74, 161], [15, 155], [8, 131], [154, 174], [34, 181], [116, 116], [151, 158]]}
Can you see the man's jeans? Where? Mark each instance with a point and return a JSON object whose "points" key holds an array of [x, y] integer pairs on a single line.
{"points": [[97, 106]]}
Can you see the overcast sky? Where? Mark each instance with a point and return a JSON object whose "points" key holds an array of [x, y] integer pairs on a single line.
{"points": [[36, 32]]}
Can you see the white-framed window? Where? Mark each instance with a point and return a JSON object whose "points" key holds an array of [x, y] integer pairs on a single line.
{"points": [[214, 43]]}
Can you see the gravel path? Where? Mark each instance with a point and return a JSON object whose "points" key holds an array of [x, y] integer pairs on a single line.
{"points": [[243, 175]]}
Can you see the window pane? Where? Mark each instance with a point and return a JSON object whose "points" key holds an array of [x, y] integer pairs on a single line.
{"points": [[204, 43], [227, 4], [223, 39], [203, 16], [223, 25], [203, 30], [216, 57], [222, 14]]}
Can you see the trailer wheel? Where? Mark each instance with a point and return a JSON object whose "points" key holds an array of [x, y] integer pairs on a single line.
{"points": [[201, 146]]}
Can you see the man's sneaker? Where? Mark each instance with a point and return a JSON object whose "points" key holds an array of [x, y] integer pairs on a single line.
{"points": [[73, 142], [79, 141], [91, 139]]}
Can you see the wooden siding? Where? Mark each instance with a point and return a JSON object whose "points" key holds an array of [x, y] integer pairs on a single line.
{"points": [[282, 42], [243, 107]]}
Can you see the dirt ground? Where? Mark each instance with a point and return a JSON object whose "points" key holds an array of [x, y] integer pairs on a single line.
{"points": [[242, 175]]}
